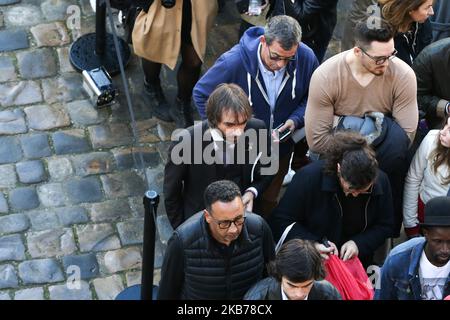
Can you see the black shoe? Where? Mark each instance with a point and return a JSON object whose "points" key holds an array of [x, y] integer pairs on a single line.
{"points": [[181, 112], [160, 106]]}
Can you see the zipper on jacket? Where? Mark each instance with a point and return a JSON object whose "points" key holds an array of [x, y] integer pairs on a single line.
{"points": [[340, 206], [367, 205]]}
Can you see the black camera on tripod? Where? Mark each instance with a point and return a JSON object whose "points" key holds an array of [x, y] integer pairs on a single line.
{"points": [[168, 3]]}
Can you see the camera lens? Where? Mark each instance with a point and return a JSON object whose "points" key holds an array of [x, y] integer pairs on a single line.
{"points": [[168, 3]]}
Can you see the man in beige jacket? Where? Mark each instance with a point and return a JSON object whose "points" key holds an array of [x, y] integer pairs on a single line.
{"points": [[366, 79]]}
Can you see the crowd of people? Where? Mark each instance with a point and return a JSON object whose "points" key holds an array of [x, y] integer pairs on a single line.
{"points": [[367, 132]]}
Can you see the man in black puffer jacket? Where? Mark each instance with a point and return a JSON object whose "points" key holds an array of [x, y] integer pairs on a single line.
{"points": [[317, 19], [219, 253]]}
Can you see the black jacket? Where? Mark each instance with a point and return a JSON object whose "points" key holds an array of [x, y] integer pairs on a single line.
{"points": [[316, 17], [311, 201], [270, 289], [184, 184], [432, 68], [196, 266], [409, 47]]}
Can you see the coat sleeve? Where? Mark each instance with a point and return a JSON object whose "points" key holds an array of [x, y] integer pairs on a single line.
{"points": [[429, 103], [217, 74], [383, 226], [413, 181], [289, 211], [172, 270], [174, 174], [304, 10], [386, 289]]}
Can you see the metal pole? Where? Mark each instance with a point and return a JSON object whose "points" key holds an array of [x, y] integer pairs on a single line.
{"points": [[100, 27], [151, 200]]}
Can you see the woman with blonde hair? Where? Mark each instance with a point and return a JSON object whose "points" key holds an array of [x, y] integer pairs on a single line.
{"points": [[410, 20], [428, 177]]}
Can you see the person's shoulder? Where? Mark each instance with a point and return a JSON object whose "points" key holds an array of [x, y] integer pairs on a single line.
{"points": [[406, 247], [328, 69], [326, 290], [399, 69], [260, 289], [254, 123]]}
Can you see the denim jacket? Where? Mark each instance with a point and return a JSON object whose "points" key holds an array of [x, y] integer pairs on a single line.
{"points": [[400, 273]]}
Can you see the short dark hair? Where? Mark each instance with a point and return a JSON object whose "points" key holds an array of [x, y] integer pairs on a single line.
{"points": [[356, 158], [283, 29], [227, 97], [298, 261], [222, 190], [371, 29]]}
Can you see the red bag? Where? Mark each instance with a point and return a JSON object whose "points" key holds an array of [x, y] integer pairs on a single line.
{"points": [[349, 278]]}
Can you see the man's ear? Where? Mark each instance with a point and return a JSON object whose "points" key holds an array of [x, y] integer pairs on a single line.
{"points": [[207, 216], [338, 168], [425, 232], [262, 39], [357, 51]]}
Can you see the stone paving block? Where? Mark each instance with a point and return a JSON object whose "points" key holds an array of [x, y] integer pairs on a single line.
{"points": [[8, 277], [11, 248], [43, 117], [52, 195], [86, 8], [29, 294], [69, 216], [43, 220], [108, 136], [131, 231], [24, 198], [70, 141], [23, 15], [50, 34], [165, 229], [38, 63], [145, 129], [93, 163], [35, 146], [64, 61], [3, 203], [11, 40], [164, 131], [137, 206], [123, 184], [40, 271], [63, 292], [156, 176], [14, 223], [97, 237], [122, 259], [31, 171], [55, 9], [133, 278], [8, 2], [160, 249], [12, 122], [83, 113], [10, 150], [15, 94], [108, 288], [5, 296], [2, 20], [7, 69], [129, 158], [112, 210], [59, 168], [65, 88], [51, 243], [83, 190], [87, 264], [7, 175]]}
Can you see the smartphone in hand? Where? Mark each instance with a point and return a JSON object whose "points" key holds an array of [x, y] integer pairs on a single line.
{"points": [[283, 135]]}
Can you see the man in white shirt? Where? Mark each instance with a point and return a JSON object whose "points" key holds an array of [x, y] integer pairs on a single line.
{"points": [[419, 269]]}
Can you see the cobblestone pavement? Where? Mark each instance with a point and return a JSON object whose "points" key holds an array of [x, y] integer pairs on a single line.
{"points": [[70, 192]]}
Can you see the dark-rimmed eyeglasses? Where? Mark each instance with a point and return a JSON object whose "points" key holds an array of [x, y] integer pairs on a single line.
{"points": [[380, 59], [225, 224], [275, 57]]}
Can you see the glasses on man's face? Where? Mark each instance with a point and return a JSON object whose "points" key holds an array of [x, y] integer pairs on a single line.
{"points": [[275, 57], [380, 60], [225, 224]]}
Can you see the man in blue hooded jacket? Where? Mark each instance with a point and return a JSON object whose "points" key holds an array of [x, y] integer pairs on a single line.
{"points": [[274, 69]]}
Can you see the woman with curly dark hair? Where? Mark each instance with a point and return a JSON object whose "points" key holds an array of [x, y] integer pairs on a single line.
{"points": [[345, 199]]}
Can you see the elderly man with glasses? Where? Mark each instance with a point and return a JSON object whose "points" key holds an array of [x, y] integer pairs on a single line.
{"points": [[358, 83], [218, 253], [274, 68]]}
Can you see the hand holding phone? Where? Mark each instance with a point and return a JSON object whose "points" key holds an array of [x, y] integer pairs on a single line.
{"points": [[282, 135]]}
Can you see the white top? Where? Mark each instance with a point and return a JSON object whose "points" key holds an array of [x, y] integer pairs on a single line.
{"points": [[432, 278], [272, 80], [421, 179]]}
